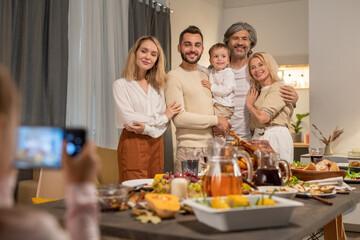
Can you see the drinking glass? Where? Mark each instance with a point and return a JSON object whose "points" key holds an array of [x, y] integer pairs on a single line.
{"points": [[316, 154], [191, 164]]}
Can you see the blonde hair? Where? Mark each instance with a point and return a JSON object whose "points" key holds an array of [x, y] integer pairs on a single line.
{"points": [[156, 76], [270, 63], [9, 95]]}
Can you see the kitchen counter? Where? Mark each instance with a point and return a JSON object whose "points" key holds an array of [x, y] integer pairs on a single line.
{"points": [[300, 145], [305, 158]]}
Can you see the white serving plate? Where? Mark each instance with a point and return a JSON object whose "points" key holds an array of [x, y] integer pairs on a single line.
{"points": [[352, 169], [290, 194], [245, 217], [349, 180], [307, 194], [138, 182]]}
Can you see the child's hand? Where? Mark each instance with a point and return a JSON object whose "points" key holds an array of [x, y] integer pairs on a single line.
{"points": [[206, 84]]}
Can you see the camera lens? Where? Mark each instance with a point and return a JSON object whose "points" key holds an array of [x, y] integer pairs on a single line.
{"points": [[70, 148]]}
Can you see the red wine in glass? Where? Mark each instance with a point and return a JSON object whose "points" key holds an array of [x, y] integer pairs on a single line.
{"points": [[268, 177], [316, 158], [190, 166]]}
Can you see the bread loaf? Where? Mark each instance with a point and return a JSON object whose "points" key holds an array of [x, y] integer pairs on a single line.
{"points": [[311, 166], [334, 167], [323, 165]]}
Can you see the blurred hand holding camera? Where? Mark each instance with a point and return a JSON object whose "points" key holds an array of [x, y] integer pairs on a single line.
{"points": [[83, 167]]}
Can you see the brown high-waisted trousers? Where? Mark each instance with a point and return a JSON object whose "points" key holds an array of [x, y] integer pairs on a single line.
{"points": [[139, 156]]}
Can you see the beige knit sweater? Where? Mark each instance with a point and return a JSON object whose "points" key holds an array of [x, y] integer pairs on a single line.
{"points": [[193, 124], [271, 102]]}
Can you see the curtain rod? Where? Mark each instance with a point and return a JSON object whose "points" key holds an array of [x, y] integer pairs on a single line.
{"points": [[161, 5]]}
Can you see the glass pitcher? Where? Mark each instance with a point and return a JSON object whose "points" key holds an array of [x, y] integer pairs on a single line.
{"points": [[268, 172], [223, 176]]}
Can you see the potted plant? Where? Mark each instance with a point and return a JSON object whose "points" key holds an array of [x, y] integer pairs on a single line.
{"points": [[296, 126]]}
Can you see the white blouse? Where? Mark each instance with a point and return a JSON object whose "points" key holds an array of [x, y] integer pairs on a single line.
{"points": [[133, 104]]}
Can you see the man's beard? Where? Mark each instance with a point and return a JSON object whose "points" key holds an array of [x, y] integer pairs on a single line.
{"points": [[183, 56], [240, 55]]}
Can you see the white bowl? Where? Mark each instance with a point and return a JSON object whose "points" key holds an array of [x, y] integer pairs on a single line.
{"points": [[290, 192], [245, 217]]}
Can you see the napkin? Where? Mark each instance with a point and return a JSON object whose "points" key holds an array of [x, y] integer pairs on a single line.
{"points": [[337, 181]]}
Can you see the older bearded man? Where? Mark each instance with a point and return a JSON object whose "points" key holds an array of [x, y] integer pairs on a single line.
{"points": [[241, 38]]}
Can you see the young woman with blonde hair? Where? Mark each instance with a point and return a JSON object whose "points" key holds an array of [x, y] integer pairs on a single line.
{"points": [[270, 115], [141, 111]]}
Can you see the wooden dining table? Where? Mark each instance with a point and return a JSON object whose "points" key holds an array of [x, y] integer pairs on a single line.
{"points": [[304, 221]]}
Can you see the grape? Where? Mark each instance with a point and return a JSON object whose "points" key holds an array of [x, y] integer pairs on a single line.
{"points": [[197, 187], [194, 178]]}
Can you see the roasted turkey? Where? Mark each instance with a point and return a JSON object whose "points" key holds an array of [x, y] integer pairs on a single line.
{"points": [[251, 146]]}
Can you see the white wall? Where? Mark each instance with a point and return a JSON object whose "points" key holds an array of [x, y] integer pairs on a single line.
{"points": [[282, 29], [335, 70], [205, 14]]}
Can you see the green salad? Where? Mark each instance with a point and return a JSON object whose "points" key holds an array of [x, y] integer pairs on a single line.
{"points": [[299, 164], [352, 175]]}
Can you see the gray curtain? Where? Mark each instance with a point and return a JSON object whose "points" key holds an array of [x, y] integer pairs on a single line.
{"points": [[34, 45], [149, 19]]}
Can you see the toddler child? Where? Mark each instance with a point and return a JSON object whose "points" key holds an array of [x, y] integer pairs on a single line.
{"points": [[221, 80]]}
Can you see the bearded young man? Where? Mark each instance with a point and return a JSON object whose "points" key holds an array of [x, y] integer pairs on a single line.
{"points": [[241, 38], [193, 124]]}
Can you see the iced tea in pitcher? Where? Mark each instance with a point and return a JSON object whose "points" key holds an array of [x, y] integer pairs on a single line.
{"points": [[223, 176], [224, 183]]}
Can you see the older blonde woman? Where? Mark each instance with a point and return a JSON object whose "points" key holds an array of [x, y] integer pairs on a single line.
{"points": [[270, 115], [141, 111]]}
